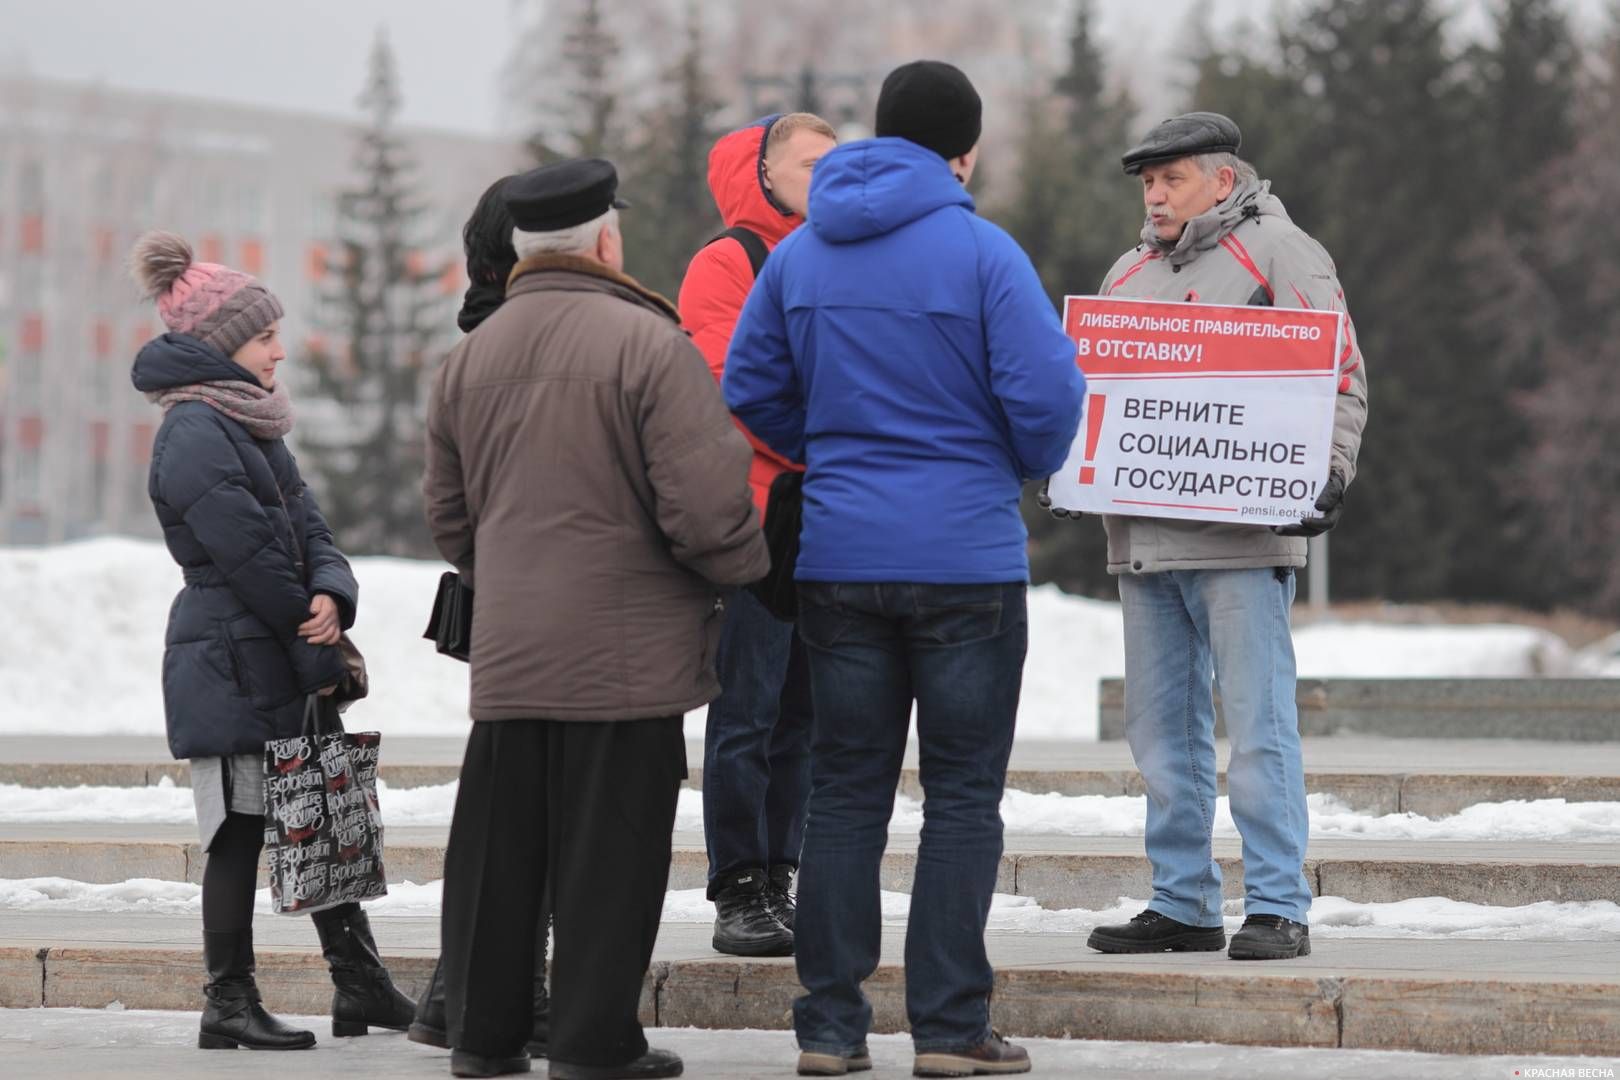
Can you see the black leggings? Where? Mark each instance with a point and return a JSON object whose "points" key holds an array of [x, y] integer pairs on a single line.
{"points": [[230, 877]]}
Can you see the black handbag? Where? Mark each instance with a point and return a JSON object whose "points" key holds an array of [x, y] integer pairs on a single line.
{"points": [[450, 625], [784, 513]]}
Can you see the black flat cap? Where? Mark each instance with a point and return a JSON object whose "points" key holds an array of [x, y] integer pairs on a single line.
{"points": [[1183, 136], [563, 195], [933, 104]]}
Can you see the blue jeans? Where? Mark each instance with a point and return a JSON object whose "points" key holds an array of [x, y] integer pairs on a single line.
{"points": [[756, 749], [1179, 625], [958, 651]]}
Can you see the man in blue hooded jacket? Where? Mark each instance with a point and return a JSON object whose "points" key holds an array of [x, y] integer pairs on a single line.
{"points": [[904, 351]]}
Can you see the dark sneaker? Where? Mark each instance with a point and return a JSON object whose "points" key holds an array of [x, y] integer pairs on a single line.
{"points": [[744, 923], [1152, 932], [993, 1057], [1270, 937], [779, 894], [816, 1063], [654, 1063]]}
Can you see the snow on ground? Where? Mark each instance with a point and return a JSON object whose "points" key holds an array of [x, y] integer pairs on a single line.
{"points": [[138, 1045], [82, 650], [1022, 812], [1331, 916]]}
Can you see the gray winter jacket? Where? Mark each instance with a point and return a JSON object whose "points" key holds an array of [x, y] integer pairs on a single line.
{"points": [[1244, 251]]}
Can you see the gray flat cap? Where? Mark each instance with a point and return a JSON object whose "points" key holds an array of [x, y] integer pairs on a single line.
{"points": [[1183, 136]]}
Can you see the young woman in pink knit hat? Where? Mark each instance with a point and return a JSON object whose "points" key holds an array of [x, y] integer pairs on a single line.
{"points": [[267, 597]]}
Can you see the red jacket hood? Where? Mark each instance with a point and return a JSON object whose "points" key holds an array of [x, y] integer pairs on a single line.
{"points": [[736, 165]]}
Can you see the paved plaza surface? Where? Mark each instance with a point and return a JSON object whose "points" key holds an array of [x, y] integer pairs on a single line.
{"points": [[132, 1045]]}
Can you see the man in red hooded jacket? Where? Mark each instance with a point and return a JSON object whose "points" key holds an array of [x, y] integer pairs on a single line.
{"points": [[756, 753]]}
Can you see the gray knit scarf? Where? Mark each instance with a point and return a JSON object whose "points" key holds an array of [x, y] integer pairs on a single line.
{"points": [[267, 414]]}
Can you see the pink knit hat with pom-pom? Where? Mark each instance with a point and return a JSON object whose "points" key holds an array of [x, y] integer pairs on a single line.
{"points": [[225, 308]]}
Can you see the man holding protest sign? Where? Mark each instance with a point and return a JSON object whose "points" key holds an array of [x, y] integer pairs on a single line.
{"points": [[1221, 420]]}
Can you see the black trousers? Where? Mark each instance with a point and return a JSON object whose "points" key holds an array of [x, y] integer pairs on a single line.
{"points": [[581, 813]]}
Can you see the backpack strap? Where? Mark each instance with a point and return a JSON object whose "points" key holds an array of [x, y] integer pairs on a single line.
{"points": [[751, 243]]}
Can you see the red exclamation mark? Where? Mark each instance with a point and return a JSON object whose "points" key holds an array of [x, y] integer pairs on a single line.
{"points": [[1094, 418]]}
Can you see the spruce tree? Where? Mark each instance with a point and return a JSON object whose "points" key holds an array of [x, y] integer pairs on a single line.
{"points": [[382, 318], [1378, 164], [667, 176], [1567, 282], [1074, 212], [564, 70]]}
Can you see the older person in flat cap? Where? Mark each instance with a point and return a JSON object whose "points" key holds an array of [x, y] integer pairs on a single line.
{"points": [[1202, 597], [585, 478]]}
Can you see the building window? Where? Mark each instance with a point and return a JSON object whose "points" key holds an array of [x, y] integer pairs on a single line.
{"points": [[141, 442], [33, 234], [31, 203], [252, 257], [315, 266], [323, 216], [250, 208], [31, 188], [211, 203], [27, 379], [104, 241], [28, 478], [32, 338], [100, 441]]}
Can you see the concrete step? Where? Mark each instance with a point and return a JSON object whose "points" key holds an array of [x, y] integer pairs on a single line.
{"points": [[1058, 872], [1375, 775], [1577, 710], [1473, 997]]}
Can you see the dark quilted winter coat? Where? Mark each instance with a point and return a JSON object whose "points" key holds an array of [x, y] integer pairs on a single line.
{"points": [[253, 549]]}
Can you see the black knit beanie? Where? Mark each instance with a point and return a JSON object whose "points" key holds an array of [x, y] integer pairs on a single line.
{"points": [[932, 104]]}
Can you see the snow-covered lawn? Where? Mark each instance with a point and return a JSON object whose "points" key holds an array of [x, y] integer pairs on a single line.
{"points": [[1331, 916], [1022, 812], [81, 648]]}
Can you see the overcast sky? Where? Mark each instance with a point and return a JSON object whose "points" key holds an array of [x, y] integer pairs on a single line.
{"points": [[311, 54]]}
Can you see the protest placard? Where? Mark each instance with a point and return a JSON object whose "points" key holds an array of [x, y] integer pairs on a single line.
{"points": [[1201, 411]]}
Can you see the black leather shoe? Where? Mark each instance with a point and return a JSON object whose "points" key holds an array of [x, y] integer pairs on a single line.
{"points": [[744, 923], [779, 895], [1270, 937], [467, 1063], [654, 1063], [1152, 932]]}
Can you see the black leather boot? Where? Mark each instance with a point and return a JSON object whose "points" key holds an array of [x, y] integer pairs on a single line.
{"points": [[428, 1026], [363, 995], [744, 923], [779, 894], [233, 1015]]}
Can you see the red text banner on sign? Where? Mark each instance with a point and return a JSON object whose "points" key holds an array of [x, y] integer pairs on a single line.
{"points": [[1201, 411]]}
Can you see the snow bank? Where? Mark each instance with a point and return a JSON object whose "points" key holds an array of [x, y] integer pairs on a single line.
{"points": [[82, 647], [1024, 814], [1331, 916]]}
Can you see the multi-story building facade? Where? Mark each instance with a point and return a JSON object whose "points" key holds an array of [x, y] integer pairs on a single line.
{"points": [[86, 169]]}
